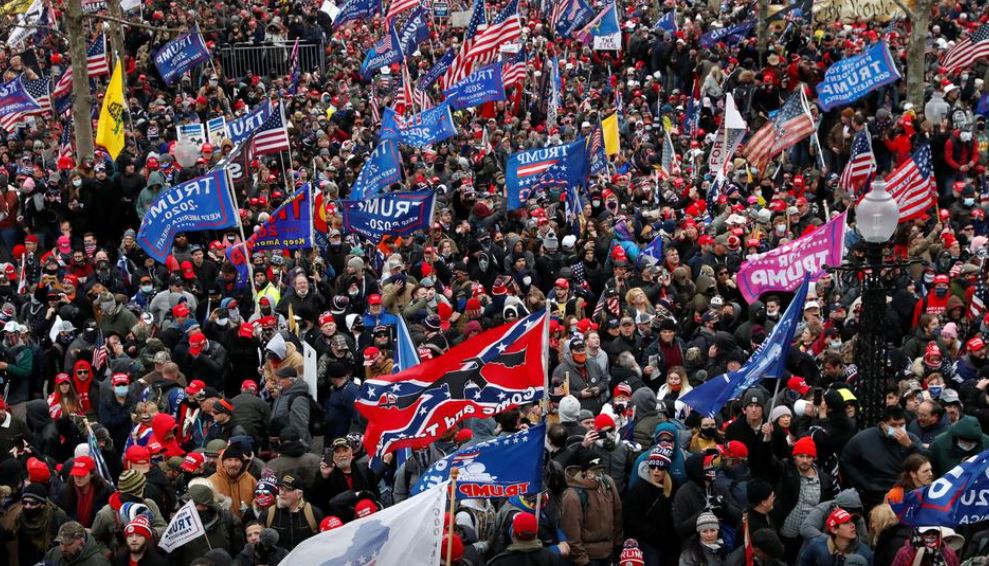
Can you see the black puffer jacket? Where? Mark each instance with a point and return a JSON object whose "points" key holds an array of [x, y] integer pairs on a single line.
{"points": [[691, 500]]}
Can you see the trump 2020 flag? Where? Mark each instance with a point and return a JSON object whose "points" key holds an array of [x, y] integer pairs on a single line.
{"points": [[356, 10], [185, 526], [14, 98], [386, 51], [438, 70], [419, 130], [241, 129], [183, 53], [478, 378], [483, 85], [409, 532], [532, 168], [505, 466], [381, 169], [392, 214], [729, 35], [956, 498], [668, 22], [203, 203], [854, 77], [290, 226], [569, 15], [768, 361], [415, 30]]}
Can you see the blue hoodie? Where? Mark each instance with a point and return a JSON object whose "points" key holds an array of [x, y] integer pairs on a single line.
{"points": [[677, 470]]}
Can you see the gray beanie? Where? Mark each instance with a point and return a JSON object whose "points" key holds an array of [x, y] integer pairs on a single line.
{"points": [[707, 520], [569, 409]]}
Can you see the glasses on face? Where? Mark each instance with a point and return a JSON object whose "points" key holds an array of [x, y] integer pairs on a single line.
{"points": [[82, 372], [627, 323]]}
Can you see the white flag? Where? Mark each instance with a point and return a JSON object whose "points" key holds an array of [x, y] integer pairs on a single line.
{"points": [[407, 533], [186, 526], [728, 138], [23, 28]]}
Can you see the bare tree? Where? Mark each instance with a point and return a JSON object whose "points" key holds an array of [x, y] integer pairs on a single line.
{"points": [[83, 101], [920, 19]]}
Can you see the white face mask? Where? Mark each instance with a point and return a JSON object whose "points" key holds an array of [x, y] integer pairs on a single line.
{"points": [[966, 136], [966, 445], [77, 182]]}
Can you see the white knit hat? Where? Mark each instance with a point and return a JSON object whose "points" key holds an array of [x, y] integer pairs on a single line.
{"points": [[778, 411]]}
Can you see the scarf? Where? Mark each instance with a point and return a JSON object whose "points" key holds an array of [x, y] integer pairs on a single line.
{"points": [[84, 504]]}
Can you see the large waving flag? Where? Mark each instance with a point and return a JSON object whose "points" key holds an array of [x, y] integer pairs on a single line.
{"points": [[409, 532], [956, 498], [97, 61], [912, 184], [513, 70], [415, 30], [184, 53], [505, 466], [396, 7], [790, 125], [967, 51], [768, 361], [459, 67], [485, 375], [272, 135], [355, 10], [604, 30], [861, 164], [555, 165], [729, 35], [382, 168], [728, 137], [419, 130], [438, 70], [670, 164], [568, 15], [290, 226], [110, 129], [38, 90], [385, 51], [668, 22], [595, 151]]}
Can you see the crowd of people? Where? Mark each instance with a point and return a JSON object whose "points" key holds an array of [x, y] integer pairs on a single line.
{"points": [[132, 387]]}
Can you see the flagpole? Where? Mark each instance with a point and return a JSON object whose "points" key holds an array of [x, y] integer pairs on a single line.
{"points": [[243, 239], [281, 156], [454, 472]]}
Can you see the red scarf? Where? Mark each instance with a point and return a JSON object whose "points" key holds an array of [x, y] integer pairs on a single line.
{"points": [[84, 504]]}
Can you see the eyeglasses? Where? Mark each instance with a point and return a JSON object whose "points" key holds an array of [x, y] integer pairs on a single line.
{"points": [[82, 372]]}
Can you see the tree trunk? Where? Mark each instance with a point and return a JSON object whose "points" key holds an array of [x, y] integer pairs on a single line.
{"points": [[920, 18], [83, 99], [117, 37], [763, 29]]}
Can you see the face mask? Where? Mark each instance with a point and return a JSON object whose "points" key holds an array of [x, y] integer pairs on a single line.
{"points": [[709, 432], [483, 264], [966, 445], [64, 338], [302, 292], [90, 248], [120, 390], [527, 280], [675, 386], [891, 431], [147, 288], [579, 357], [77, 182], [929, 278], [935, 390], [836, 344], [966, 137], [33, 512], [940, 292], [620, 408], [595, 203], [608, 443], [780, 228], [772, 313]]}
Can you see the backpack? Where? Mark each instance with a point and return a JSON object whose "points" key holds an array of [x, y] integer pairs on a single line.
{"points": [[317, 415], [306, 512]]}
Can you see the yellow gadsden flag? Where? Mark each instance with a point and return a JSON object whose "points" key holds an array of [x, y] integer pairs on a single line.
{"points": [[609, 127], [110, 130]]}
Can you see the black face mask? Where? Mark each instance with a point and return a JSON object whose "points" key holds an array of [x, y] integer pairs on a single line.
{"points": [[709, 432], [33, 512]]}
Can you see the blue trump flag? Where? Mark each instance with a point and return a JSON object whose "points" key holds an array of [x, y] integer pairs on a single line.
{"points": [[203, 203], [730, 35], [506, 466], [290, 226], [386, 51], [14, 97], [419, 130], [242, 128], [357, 10], [406, 356], [381, 169], [956, 498], [483, 85], [438, 70], [392, 214], [668, 22], [573, 15], [768, 361], [181, 54], [854, 77], [415, 30], [532, 168]]}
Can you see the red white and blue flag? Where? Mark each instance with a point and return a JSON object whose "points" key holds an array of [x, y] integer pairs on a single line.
{"points": [[296, 72], [39, 91], [495, 371], [272, 135], [861, 165], [460, 66], [912, 184], [513, 69], [97, 62]]}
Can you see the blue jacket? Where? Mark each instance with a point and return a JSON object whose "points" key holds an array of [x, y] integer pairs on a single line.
{"points": [[385, 318], [340, 410], [817, 553], [677, 470]]}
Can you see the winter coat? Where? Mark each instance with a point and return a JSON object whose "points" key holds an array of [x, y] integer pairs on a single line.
{"points": [[292, 408], [820, 551], [108, 532], [908, 554], [210, 365], [691, 500], [945, 453], [647, 417], [153, 557], [647, 514], [814, 522], [251, 413], [595, 527], [788, 491], [526, 554], [590, 375], [760, 451], [239, 489], [341, 413], [89, 556], [223, 530], [677, 467], [872, 462]]}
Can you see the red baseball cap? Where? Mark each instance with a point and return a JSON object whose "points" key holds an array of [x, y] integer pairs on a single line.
{"points": [[798, 385], [525, 526], [197, 343], [193, 461], [195, 387], [838, 517], [138, 455], [248, 385], [81, 466], [120, 379], [374, 299], [736, 449], [364, 508], [180, 310], [370, 353], [975, 344], [246, 330]]}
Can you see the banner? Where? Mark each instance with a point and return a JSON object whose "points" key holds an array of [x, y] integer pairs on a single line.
{"points": [[483, 85], [612, 141], [356, 10], [25, 24], [15, 98], [854, 77], [730, 35], [110, 128], [384, 52], [382, 168], [183, 53], [419, 130], [956, 498], [724, 145], [409, 532], [309, 365], [200, 204], [573, 15], [855, 11], [415, 30], [289, 227], [439, 69], [558, 164], [784, 268], [185, 526], [194, 133], [244, 127], [506, 466], [767, 362], [393, 214], [216, 128]]}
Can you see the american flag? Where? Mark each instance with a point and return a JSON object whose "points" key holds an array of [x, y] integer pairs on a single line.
{"points": [[559, 7], [977, 307], [100, 352], [513, 69], [595, 151], [619, 103], [407, 96], [966, 51], [272, 135], [64, 85], [39, 91], [670, 166], [65, 144], [507, 28], [460, 67], [861, 165], [912, 184], [296, 72], [375, 108], [94, 451], [398, 6], [790, 125], [97, 62], [422, 99]]}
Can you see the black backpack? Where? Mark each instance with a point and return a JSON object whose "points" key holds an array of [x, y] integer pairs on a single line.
{"points": [[317, 415]]}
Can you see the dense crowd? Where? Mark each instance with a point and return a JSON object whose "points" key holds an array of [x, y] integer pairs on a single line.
{"points": [[131, 387]]}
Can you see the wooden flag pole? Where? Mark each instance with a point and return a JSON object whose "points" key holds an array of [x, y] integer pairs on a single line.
{"points": [[453, 505]]}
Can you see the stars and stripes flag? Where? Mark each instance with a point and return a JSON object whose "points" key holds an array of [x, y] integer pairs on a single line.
{"points": [[499, 369], [272, 135], [506, 28], [619, 101], [912, 184], [64, 85], [405, 96], [967, 51], [39, 91], [791, 124], [421, 99], [670, 165], [100, 352], [977, 305], [97, 61], [375, 108], [460, 67], [861, 165], [296, 72], [65, 144], [398, 6], [513, 70], [94, 451]]}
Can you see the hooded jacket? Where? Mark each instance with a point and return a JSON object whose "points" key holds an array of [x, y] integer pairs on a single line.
{"points": [[292, 408], [89, 395], [647, 417], [677, 468], [88, 556], [163, 429], [239, 489], [692, 499], [590, 375], [872, 462], [945, 453], [594, 528], [813, 525], [647, 512]]}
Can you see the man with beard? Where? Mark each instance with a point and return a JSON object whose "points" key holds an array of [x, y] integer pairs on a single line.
{"points": [[140, 550], [233, 480], [35, 528], [340, 472], [75, 547]]}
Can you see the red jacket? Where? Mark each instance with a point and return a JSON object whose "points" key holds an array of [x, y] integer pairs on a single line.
{"points": [[967, 152]]}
